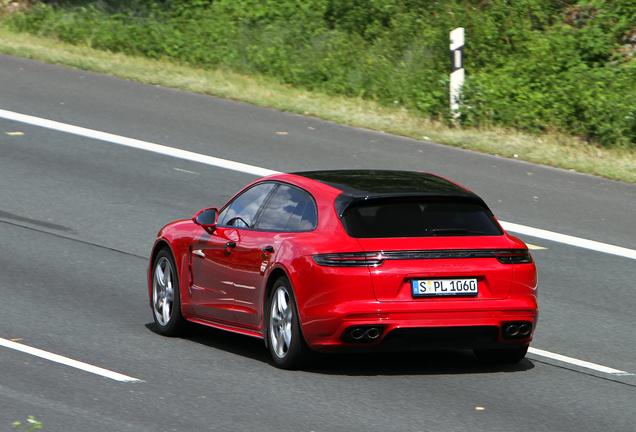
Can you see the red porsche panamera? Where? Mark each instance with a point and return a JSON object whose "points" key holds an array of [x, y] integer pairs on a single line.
{"points": [[349, 260]]}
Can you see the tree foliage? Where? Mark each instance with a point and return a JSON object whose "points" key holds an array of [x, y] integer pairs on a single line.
{"points": [[530, 64]]}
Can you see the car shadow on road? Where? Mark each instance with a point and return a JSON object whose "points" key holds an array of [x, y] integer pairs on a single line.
{"points": [[438, 362], [435, 362], [243, 346]]}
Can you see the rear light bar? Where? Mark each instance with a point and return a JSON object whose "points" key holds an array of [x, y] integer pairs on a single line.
{"points": [[375, 259], [514, 256], [353, 259]]}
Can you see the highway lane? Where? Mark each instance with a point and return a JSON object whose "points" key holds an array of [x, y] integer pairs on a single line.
{"points": [[518, 192], [78, 218], [95, 312], [194, 173]]}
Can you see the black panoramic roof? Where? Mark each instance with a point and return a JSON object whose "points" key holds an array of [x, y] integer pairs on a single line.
{"points": [[370, 183], [359, 185]]}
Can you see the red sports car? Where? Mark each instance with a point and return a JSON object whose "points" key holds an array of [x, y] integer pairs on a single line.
{"points": [[349, 260]]}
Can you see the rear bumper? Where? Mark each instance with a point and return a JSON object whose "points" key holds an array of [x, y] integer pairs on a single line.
{"points": [[420, 326]]}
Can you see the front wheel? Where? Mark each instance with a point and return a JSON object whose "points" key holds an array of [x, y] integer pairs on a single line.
{"points": [[286, 343], [508, 356], [166, 301]]}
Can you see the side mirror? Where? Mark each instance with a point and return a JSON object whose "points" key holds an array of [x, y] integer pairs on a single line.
{"points": [[206, 218]]}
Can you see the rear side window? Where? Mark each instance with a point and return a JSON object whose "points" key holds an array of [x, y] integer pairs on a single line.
{"points": [[419, 219], [290, 209]]}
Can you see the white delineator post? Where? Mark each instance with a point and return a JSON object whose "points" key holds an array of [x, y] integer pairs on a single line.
{"points": [[457, 68]]}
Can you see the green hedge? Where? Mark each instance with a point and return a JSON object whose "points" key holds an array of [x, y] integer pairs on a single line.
{"points": [[536, 65]]}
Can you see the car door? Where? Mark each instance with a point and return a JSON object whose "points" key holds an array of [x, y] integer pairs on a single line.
{"points": [[212, 257], [289, 210], [212, 285]]}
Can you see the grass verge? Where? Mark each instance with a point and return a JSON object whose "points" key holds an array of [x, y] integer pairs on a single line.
{"points": [[546, 149]]}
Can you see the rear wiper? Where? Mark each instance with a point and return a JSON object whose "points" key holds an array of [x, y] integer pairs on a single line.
{"points": [[451, 231]]}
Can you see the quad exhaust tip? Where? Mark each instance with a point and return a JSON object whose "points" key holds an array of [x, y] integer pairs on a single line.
{"points": [[373, 333], [357, 334], [518, 330], [362, 334]]}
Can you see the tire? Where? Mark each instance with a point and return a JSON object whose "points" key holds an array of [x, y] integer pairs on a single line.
{"points": [[166, 299], [285, 340], [502, 356]]}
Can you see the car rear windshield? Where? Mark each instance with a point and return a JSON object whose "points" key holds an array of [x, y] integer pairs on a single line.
{"points": [[419, 218]]}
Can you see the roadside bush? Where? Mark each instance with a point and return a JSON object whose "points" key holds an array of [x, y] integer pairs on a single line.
{"points": [[534, 65]]}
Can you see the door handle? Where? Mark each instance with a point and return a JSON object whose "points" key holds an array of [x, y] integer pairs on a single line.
{"points": [[268, 250], [230, 245]]}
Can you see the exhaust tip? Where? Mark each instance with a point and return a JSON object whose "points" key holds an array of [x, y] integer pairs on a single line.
{"points": [[524, 329], [357, 334], [373, 333], [362, 334], [512, 330], [516, 330]]}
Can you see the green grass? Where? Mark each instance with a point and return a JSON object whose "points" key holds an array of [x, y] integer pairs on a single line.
{"points": [[547, 149]]}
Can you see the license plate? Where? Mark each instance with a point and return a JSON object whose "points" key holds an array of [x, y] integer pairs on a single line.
{"points": [[443, 287]]}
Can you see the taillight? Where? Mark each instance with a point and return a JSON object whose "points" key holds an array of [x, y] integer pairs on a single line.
{"points": [[514, 256], [350, 259], [375, 259]]}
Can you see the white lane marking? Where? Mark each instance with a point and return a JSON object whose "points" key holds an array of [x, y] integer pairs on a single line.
{"points": [[581, 363], [534, 247], [251, 169], [138, 144], [186, 171], [67, 361], [569, 240]]}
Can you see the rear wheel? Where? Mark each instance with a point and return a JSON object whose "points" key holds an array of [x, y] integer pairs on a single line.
{"points": [[166, 301], [508, 356], [286, 343]]}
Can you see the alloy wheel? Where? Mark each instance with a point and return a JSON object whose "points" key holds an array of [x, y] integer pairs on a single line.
{"points": [[163, 291], [280, 324]]}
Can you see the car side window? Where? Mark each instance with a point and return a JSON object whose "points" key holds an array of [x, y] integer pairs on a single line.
{"points": [[242, 212], [309, 217], [291, 209]]}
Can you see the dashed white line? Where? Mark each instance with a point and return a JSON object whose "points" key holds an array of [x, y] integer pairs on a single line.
{"points": [[186, 171], [577, 362], [534, 247], [67, 361]]}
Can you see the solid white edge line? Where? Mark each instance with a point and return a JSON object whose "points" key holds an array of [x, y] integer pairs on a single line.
{"points": [[569, 240], [138, 144], [581, 363], [67, 361]]}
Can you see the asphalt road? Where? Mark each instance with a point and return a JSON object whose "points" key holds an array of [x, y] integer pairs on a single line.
{"points": [[78, 217]]}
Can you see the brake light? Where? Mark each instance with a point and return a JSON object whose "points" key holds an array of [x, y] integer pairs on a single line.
{"points": [[350, 259], [514, 256]]}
